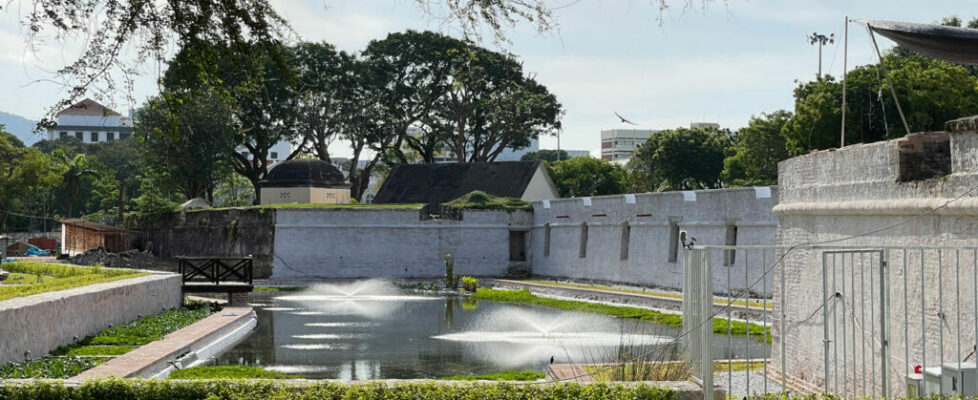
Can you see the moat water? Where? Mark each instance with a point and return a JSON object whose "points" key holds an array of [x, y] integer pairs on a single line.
{"points": [[368, 330]]}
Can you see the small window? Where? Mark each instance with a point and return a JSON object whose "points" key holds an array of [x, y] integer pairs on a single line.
{"points": [[94, 136], [245, 154], [730, 256], [673, 241], [109, 136], [62, 134], [626, 237], [583, 249], [274, 155], [546, 240], [517, 245], [80, 135], [123, 135]]}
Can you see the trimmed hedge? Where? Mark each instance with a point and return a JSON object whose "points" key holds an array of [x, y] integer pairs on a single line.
{"points": [[269, 390]]}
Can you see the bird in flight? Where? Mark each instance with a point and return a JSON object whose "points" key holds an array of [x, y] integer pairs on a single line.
{"points": [[624, 120]]}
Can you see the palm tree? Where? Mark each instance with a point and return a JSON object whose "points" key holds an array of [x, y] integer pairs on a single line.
{"points": [[75, 169]]}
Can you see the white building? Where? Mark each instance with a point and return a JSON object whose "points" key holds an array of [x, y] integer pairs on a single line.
{"points": [[619, 144], [91, 122]]}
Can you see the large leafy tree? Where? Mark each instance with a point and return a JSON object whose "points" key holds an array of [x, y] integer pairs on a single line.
{"points": [[491, 105], [110, 28], [75, 169], [191, 135], [758, 148], [324, 77], [930, 92], [261, 85], [23, 172], [680, 159], [586, 176]]}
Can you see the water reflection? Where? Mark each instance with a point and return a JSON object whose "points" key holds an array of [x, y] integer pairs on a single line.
{"points": [[317, 336]]}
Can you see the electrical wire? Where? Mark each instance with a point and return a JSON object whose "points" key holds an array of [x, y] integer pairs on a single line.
{"points": [[780, 259]]}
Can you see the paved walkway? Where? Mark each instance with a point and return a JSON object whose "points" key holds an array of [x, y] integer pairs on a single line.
{"points": [[154, 356], [568, 372]]}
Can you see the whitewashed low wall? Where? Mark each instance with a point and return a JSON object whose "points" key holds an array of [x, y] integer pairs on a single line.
{"points": [[707, 215], [33, 326], [390, 243]]}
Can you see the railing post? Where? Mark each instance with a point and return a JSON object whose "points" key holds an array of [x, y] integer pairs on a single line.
{"points": [[884, 311], [825, 317]]}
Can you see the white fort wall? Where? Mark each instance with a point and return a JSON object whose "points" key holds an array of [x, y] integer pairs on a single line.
{"points": [[857, 190], [648, 222], [390, 243]]}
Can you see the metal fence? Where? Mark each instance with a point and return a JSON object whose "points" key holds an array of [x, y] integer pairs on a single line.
{"points": [[852, 321]]}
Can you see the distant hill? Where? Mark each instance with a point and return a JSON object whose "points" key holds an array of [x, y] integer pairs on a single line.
{"points": [[21, 127]]}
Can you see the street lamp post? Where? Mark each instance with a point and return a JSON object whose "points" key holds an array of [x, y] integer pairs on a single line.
{"points": [[821, 40]]}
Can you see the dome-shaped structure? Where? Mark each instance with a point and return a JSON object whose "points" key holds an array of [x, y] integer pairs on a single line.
{"points": [[304, 173], [305, 181]]}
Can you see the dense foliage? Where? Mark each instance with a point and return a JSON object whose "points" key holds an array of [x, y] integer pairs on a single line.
{"points": [[586, 176], [680, 159], [266, 390]]}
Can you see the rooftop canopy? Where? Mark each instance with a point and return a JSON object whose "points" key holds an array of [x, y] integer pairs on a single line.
{"points": [[304, 173], [948, 43]]}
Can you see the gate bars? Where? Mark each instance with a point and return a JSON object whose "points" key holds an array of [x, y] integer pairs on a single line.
{"points": [[857, 326]]}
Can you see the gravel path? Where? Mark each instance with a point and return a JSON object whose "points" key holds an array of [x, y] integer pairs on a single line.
{"points": [[737, 384]]}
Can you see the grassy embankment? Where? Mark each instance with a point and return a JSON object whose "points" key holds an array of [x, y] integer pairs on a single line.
{"points": [[720, 326], [315, 205], [661, 371], [228, 372], [71, 360], [502, 376], [30, 277], [650, 292]]}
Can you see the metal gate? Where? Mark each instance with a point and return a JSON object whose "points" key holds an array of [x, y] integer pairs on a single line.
{"points": [[855, 290]]}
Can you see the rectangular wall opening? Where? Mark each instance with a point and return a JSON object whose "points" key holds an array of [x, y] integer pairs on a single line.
{"points": [[673, 241], [517, 245], [626, 237], [546, 240], [730, 256], [583, 249]]}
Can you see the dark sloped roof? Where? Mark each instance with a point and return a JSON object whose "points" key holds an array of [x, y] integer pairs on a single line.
{"points": [[438, 183], [304, 173]]}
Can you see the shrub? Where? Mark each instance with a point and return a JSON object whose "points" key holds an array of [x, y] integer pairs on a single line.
{"points": [[479, 200], [469, 283], [114, 389]]}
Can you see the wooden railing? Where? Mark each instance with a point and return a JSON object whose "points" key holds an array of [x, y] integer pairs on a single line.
{"points": [[217, 270]]}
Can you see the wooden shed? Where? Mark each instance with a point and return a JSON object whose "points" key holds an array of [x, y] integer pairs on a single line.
{"points": [[78, 236]]}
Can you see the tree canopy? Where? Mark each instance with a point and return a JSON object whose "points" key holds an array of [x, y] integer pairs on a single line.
{"points": [[586, 176], [680, 159]]}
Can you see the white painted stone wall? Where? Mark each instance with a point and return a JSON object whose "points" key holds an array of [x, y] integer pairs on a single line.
{"points": [[40, 323], [390, 243], [832, 195], [705, 214]]}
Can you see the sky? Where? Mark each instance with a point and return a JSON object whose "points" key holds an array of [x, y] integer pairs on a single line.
{"points": [[723, 62]]}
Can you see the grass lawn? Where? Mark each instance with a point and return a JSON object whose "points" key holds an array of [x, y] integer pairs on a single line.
{"points": [[313, 205], [502, 376], [673, 295], [524, 296], [660, 371], [229, 372], [31, 277], [71, 360]]}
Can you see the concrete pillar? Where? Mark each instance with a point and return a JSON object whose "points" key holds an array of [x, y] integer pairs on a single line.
{"points": [[236, 299]]}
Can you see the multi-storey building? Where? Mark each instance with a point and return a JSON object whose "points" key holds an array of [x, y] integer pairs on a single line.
{"points": [[91, 122], [618, 145]]}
